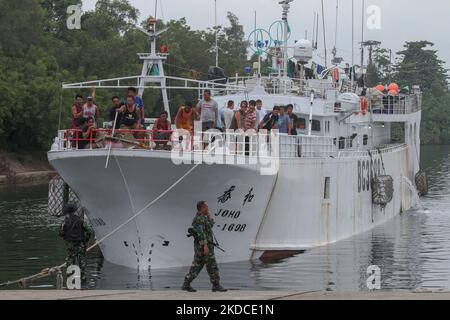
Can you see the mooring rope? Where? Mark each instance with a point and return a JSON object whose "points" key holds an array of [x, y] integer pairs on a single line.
{"points": [[50, 271], [47, 272]]}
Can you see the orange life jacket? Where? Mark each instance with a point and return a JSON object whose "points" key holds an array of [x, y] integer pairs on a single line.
{"points": [[364, 105], [336, 75]]}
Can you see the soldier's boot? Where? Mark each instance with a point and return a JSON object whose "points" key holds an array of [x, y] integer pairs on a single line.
{"points": [[187, 287], [218, 288]]}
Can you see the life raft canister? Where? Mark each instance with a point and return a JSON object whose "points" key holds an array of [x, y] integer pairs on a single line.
{"points": [[364, 105]]}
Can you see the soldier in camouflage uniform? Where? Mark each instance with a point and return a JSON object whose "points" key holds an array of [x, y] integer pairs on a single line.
{"points": [[203, 250], [76, 233]]}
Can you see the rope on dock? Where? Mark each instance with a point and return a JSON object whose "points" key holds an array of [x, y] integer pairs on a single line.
{"points": [[47, 272], [24, 282]]}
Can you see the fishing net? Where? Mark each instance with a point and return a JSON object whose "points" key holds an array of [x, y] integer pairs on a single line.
{"points": [[59, 193], [382, 190], [422, 183]]}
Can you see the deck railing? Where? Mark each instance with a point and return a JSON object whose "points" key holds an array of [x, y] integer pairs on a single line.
{"points": [[395, 105], [229, 143]]}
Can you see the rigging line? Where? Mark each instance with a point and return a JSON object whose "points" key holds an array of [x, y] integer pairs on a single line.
{"points": [[110, 144], [49, 271], [129, 197], [145, 208], [185, 69]]}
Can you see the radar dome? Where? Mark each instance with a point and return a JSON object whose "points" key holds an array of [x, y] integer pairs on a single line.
{"points": [[303, 51]]}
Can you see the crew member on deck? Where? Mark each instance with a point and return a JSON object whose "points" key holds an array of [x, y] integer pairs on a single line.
{"points": [[77, 112], [139, 104], [185, 118]]}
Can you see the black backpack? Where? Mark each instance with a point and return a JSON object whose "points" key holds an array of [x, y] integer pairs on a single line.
{"points": [[269, 120], [73, 229]]}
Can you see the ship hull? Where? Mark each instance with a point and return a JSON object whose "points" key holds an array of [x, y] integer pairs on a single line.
{"points": [[256, 216], [157, 237]]}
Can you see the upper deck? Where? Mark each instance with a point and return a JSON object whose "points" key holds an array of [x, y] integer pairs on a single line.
{"points": [[230, 144], [329, 99]]}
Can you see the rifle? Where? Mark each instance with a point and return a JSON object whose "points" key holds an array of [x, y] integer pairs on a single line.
{"points": [[193, 233], [216, 243]]}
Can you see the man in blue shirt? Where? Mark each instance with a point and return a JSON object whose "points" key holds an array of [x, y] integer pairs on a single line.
{"points": [[138, 102], [284, 122]]}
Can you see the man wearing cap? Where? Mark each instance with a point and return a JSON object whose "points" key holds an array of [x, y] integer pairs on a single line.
{"points": [[76, 233], [90, 110]]}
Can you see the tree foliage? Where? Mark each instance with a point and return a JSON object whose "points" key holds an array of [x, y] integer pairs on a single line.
{"points": [[420, 65], [38, 53]]}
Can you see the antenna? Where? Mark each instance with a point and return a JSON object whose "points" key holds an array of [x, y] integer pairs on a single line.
{"points": [[324, 36], [353, 43], [216, 47], [255, 29], [317, 30], [336, 60], [336, 30], [362, 36], [286, 6], [314, 30]]}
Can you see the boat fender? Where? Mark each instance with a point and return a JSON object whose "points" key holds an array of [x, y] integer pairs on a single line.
{"points": [[421, 180]]}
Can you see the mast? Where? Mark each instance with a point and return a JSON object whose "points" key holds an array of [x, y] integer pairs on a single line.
{"points": [[216, 48], [286, 6], [154, 62]]}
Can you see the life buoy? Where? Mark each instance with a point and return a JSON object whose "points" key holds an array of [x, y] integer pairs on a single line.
{"points": [[364, 106]]}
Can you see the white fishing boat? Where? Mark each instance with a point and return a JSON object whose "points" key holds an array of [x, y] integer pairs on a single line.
{"points": [[330, 182]]}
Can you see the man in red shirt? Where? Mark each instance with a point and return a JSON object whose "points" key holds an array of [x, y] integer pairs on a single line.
{"points": [[161, 131], [77, 112]]}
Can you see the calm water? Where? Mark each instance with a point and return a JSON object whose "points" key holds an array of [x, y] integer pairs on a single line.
{"points": [[413, 250]]}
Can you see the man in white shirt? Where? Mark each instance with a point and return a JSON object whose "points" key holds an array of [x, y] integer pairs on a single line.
{"points": [[260, 112], [208, 110], [228, 114]]}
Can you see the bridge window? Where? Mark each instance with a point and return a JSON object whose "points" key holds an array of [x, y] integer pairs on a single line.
{"points": [[316, 125], [302, 124]]}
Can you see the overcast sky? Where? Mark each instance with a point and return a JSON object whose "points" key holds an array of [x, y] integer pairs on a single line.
{"points": [[401, 20]]}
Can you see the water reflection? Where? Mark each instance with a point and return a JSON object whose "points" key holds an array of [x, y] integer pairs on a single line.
{"points": [[412, 250]]}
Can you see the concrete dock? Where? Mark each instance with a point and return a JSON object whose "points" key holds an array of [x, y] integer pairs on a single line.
{"points": [[208, 295]]}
